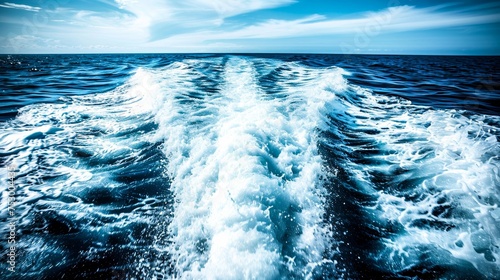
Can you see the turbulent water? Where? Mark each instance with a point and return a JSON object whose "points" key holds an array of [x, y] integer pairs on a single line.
{"points": [[250, 167]]}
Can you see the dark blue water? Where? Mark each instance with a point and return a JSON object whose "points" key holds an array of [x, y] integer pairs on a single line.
{"points": [[156, 166]]}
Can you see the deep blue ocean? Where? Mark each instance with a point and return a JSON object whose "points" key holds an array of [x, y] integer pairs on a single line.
{"points": [[258, 166]]}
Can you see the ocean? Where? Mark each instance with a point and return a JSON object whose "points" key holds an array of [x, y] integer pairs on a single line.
{"points": [[249, 166]]}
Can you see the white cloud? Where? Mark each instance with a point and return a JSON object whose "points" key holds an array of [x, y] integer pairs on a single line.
{"points": [[200, 25], [228, 8], [20, 7], [20, 43], [192, 13], [147, 12], [394, 19], [77, 28]]}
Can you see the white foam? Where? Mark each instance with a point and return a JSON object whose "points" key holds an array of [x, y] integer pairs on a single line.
{"points": [[456, 159], [41, 140], [246, 171], [247, 186]]}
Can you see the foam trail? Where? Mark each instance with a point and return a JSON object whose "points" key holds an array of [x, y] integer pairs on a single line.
{"points": [[218, 167], [80, 173], [249, 199], [78, 123], [435, 173]]}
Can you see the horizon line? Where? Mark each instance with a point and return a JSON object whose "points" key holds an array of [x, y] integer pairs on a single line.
{"points": [[251, 53]]}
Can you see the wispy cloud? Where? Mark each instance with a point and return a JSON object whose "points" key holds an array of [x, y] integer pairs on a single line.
{"points": [[75, 29], [229, 8], [147, 12], [160, 16], [394, 19], [218, 25], [20, 7]]}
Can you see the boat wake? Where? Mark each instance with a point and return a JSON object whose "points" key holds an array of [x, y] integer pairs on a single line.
{"points": [[250, 168]]}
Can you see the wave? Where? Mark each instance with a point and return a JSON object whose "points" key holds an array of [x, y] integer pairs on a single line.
{"points": [[426, 182], [247, 178], [234, 167]]}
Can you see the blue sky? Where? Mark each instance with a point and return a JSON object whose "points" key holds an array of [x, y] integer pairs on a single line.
{"points": [[287, 26]]}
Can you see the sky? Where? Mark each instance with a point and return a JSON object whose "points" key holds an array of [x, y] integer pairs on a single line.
{"points": [[250, 26]]}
